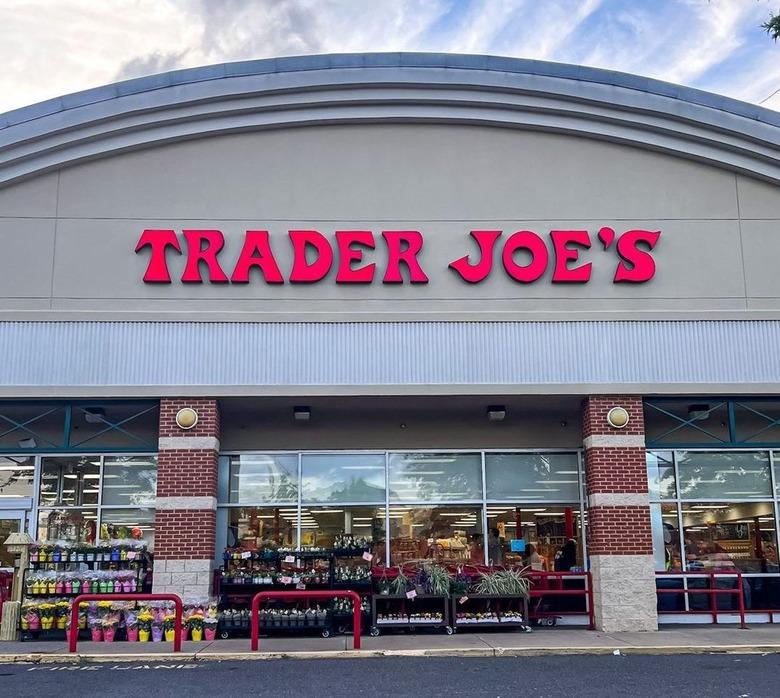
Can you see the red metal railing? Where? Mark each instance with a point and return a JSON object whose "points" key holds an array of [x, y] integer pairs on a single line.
{"points": [[6, 583], [73, 634], [711, 590], [254, 618], [551, 584]]}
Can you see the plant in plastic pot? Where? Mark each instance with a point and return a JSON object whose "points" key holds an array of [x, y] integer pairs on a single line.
{"points": [[131, 625], [61, 614], [145, 620], [110, 624], [157, 630], [47, 611], [195, 625], [169, 626], [210, 627], [96, 628]]}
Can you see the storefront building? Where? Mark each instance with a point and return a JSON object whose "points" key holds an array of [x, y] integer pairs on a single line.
{"points": [[409, 297]]}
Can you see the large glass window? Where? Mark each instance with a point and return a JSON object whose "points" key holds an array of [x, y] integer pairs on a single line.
{"points": [[128, 524], [323, 526], [129, 480], [17, 475], [343, 477], [660, 475], [435, 477], [73, 525], [724, 474], [71, 481], [262, 527], [532, 476], [263, 478]]}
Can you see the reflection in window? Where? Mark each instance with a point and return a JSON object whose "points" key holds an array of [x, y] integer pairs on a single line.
{"points": [[449, 534], [72, 525], [263, 478], [70, 481], [730, 536], [321, 525], [431, 477], [17, 474], [681, 422], [130, 480], [262, 527], [128, 524], [660, 474], [666, 537], [343, 477], [723, 474], [532, 476]]}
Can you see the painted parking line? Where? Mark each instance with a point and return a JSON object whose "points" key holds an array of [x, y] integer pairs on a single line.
{"points": [[116, 667]]}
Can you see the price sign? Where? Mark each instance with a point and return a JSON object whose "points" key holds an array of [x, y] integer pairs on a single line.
{"points": [[463, 599], [289, 558], [300, 587], [286, 580], [411, 594], [246, 555], [131, 555], [368, 557]]}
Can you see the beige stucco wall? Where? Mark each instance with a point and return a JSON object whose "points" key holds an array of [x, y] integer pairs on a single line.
{"points": [[69, 237]]}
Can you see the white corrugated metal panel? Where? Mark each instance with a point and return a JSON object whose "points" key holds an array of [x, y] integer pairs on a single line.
{"points": [[418, 353]]}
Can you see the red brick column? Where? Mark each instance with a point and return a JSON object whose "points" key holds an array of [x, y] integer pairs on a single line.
{"points": [[185, 517], [620, 545]]}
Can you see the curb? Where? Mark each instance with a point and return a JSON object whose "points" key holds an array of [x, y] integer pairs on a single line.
{"points": [[34, 658]]}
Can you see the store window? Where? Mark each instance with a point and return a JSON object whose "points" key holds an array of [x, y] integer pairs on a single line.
{"points": [[72, 525], [448, 534], [17, 477], [343, 478], [666, 537], [324, 526], [432, 477], [724, 474], [70, 481], [129, 480], [260, 478], [660, 475], [255, 528], [532, 476], [128, 524]]}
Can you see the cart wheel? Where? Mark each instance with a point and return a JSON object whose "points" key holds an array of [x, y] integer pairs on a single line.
{"points": [[342, 630], [224, 635], [326, 632], [449, 630], [550, 621], [374, 631]]}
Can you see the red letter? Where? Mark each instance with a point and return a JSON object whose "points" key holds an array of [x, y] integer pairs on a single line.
{"points": [[637, 265], [397, 253], [159, 241], [527, 240], [346, 274], [563, 274], [256, 252], [474, 273], [197, 253], [303, 272]]}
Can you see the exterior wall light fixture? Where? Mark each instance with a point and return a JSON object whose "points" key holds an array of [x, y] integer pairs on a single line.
{"points": [[617, 417], [496, 413], [301, 414], [186, 418]]}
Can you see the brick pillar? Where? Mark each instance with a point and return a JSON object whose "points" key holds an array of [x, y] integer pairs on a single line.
{"points": [[185, 517], [620, 545]]}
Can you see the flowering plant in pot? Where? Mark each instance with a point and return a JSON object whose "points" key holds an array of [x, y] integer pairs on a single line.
{"points": [[131, 625], [61, 613], [169, 626], [96, 628], [110, 624], [210, 627], [47, 611], [157, 630], [145, 620], [195, 625]]}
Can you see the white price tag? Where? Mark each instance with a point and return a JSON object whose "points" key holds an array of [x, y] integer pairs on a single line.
{"points": [[301, 587], [131, 555], [368, 557], [289, 558], [463, 599], [411, 594], [286, 580], [246, 555]]}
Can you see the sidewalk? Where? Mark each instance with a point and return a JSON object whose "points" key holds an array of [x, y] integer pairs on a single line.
{"points": [[670, 640]]}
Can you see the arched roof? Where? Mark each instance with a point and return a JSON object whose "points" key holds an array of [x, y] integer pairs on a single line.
{"points": [[389, 87]]}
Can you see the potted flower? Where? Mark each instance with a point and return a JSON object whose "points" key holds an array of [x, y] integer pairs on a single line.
{"points": [[145, 620], [157, 630], [96, 628], [210, 627], [195, 626], [61, 614], [169, 626], [110, 623], [131, 625], [47, 615]]}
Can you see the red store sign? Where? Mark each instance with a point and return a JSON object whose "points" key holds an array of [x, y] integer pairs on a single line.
{"points": [[569, 253]]}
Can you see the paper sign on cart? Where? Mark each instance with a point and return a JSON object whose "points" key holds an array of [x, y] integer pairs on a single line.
{"points": [[131, 555], [300, 587], [463, 599], [289, 558], [411, 594], [246, 555], [368, 557], [286, 580]]}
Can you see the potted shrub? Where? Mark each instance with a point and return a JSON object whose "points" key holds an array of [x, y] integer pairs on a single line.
{"points": [[145, 620], [195, 626]]}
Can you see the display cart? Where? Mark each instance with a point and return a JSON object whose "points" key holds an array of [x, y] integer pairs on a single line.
{"points": [[481, 611], [408, 613]]}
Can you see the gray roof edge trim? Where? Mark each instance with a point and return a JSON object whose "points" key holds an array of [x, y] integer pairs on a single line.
{"points": [[487, 63]]}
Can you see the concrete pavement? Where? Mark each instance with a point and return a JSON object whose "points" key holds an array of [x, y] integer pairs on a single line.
{"points": [[671, 640]]}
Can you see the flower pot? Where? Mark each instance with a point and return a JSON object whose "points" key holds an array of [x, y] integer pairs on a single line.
{"points": [[75, 586], [132, 634], [46, 623], [197, 634], [34, 622], [211, 633], [170, 635], [143, 636], [25, 622], [184, 633], [157, 634], [62, 623], [103, 587], [68, 587], [59, 588], [129, 586], [97, 634], [109, 634]]}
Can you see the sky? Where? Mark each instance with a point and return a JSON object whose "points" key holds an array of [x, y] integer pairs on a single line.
{"points": [[54, 47]]}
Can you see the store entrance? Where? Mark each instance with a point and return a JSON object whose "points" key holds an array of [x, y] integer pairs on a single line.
{"points": [[10, 522]]}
